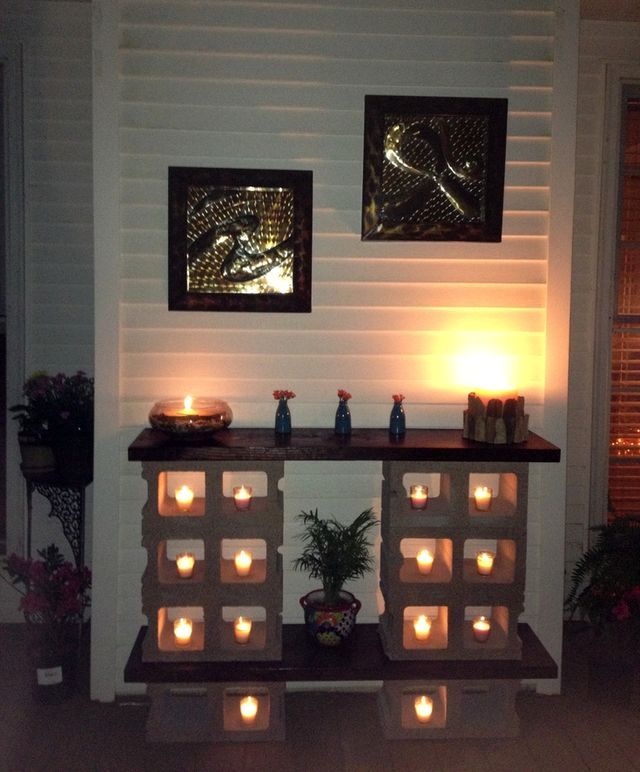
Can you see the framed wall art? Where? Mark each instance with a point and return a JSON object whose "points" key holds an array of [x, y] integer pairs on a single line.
{"points": [[239, 239], [433, 168]]}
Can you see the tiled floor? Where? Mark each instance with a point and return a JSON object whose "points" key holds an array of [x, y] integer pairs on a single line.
{"points": [[593, 725]]}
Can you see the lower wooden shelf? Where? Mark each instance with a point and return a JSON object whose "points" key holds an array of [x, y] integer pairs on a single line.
{"points": [[360, 659]]}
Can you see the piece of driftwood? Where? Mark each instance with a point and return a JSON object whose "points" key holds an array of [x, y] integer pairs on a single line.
{"points": [[498, 422]]}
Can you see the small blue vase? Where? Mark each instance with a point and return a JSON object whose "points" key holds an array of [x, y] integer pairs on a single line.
{"points": [[343, 418], [397, 423], [283, 417]]}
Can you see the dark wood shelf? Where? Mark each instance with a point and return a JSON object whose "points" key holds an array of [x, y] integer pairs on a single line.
{"points": [[325, 445], [360, 659]]}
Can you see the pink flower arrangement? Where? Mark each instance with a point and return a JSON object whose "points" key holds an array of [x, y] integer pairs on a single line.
{"points": [[343, 394], [628, 605], [55, 591], [397, 397], [283, 394]]}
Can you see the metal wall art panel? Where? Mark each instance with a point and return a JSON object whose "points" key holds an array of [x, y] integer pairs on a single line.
{"points": [[239, 239], [433, 168]]}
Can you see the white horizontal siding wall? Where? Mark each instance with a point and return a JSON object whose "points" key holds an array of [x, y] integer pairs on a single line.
{"points": [[602, 43], [282, 85], [58, 224]]}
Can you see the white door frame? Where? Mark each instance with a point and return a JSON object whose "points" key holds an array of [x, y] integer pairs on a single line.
{"points": [[617, 77], [11, 73]]}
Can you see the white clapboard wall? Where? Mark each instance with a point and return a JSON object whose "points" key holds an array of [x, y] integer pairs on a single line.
{"points": [[282, 85]]}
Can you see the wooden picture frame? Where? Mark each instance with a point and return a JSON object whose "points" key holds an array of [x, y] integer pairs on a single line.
{"points": [[239, 239], [433, 168]]}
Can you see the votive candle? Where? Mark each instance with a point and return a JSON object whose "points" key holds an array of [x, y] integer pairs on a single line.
{"points": [[243, 561], [482, 496], [185, 564], [242, 496], [248, 709], [424, 560], [419, 495], [184, 498], [423, 706], [481, 629], [242, 629], [182, 630], [484, 562], [422, 627]]}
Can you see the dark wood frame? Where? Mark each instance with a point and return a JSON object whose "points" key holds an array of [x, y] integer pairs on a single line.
{"points": [[181, 297], [485, 194]]}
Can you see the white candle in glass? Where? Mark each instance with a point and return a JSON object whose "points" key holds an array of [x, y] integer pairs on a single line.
{"points": [[484, 562], [419, 495], [185, 564], [423, 706], [424, 560], [482, 496], [242, 496], [184, 498], [242, 629], [481, 629], [182, 630], [243, 561], [422, 627], [248, 709]]}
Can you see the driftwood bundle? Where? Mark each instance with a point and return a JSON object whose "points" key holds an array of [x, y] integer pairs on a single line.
{"points": [[499, 422]]}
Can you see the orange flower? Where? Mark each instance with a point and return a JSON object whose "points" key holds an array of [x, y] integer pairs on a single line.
{"points": [[343, 394], [397, 397], [283, 394]]}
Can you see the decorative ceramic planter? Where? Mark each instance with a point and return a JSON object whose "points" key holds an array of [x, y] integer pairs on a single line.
{"points": [[329, 624]]}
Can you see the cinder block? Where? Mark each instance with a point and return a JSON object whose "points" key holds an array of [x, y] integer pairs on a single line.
{"points": [[212, 713], [458, 709]]}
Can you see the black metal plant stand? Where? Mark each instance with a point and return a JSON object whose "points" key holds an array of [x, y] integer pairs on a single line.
{"points": [[67, 502]]}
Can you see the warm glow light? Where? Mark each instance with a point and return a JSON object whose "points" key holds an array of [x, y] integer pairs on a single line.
{"points": [[422, 627], [242, 496], [482, 496], [182, 630], [278, 280], [242, 629], [419, 495], [484, 562], [481, 629], [242, 561], [424, 560], [185, 564], [424, 708], [485, 372], [184, 498], [248, 709]]}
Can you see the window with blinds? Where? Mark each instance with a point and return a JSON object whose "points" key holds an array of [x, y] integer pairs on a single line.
{"points": [[624, 460]]}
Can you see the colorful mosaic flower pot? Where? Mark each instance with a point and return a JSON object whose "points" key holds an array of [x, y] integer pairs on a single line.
{"points": [[329, 625]]}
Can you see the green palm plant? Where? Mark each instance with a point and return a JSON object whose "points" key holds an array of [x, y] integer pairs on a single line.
{"points": [[334, 552]]}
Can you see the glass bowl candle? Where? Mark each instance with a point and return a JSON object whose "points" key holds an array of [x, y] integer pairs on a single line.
{"points": [[190, 417]]}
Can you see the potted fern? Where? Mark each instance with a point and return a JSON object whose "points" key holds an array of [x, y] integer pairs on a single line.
{"points": [[605, 583], [334, 553]]}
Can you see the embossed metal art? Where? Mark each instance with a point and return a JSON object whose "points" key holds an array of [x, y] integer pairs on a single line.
{"points": [[433, 168], [239, 240]]}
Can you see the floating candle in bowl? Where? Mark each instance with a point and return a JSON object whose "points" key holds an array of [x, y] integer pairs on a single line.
{"points": [[422, 627], [481, 629], [190, 417], [484, 562], [248, 709], [185, 564], [424, 560], [242, 629], [482, 496], [184, 498], [423, 707], [182, 630], [243, 561], [419, 495], [242, 496]]}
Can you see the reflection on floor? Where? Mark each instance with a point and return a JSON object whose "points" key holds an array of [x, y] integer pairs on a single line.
{"points": [[593, 725]]}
